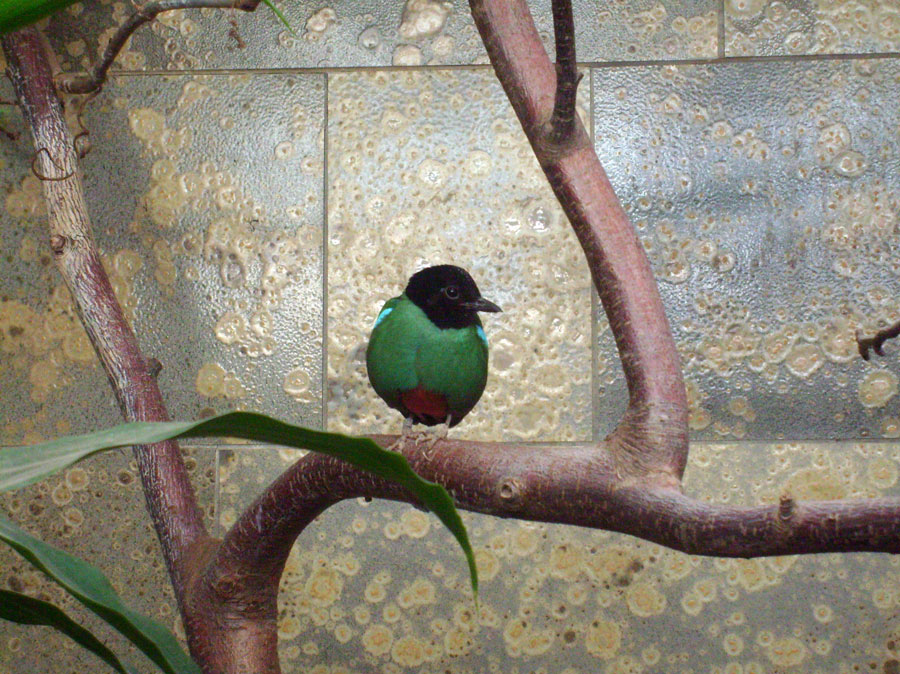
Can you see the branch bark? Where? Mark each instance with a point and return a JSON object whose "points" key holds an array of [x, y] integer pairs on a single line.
{"points": [[574, 484], [631, 483], [562, 121], [652, 437], [170, 496], [92, 81]]}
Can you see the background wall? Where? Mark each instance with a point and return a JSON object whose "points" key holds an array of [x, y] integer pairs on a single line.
{"points": [[258, 194]]}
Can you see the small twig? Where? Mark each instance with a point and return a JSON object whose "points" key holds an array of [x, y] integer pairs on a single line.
{"points": [[91, 81], [562, 123], [876, 343], [37, 172]]}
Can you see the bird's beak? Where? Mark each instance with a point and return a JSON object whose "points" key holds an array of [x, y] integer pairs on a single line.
{"points": [[482, 304]]}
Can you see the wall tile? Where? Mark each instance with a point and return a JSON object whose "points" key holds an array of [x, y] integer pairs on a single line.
{"points": [[374, 33], [206, 195], [96, 511], [793, 27], [429, 168], [766, 197]]}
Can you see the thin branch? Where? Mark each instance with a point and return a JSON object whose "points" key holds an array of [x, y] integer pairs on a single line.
{"points": [[876, 343], [653, 434], [167, 488], [84, 83], [562, 122]]}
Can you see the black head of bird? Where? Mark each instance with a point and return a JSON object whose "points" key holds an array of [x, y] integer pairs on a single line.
{"points": [[448, 296]]}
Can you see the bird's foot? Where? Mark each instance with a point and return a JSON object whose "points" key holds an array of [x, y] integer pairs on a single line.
{"points": [[406, 434], [435, 434]]}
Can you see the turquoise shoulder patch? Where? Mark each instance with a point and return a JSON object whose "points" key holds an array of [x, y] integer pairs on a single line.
{"points": [[478, 329], [383, 315]]}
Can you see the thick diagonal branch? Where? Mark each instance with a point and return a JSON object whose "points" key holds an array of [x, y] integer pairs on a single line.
{"points": [[170, 497], [85, 83], [653, 436]]}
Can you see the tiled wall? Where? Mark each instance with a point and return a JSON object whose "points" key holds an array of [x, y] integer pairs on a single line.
{"points": [[259, 202]]}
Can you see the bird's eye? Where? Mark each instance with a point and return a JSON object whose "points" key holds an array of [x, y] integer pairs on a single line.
{"points": [[452, 292]]}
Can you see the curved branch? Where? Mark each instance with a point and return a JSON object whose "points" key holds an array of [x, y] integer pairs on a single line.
{"points": [[575, 484], [170, 496], [653, 435], [85, 83]]}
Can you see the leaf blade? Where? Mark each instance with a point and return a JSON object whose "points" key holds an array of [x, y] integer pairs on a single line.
{"points": [[25, 610], [19, 467], [89, 586], [15, 14]]}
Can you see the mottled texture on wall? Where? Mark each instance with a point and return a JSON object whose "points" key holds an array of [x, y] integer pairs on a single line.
{"points": [[415, 163], [380, 586], [254, 221], [767, 198]]}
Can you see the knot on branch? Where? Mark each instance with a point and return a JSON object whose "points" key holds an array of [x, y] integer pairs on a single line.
{"points": [[154, 367], [225, 588], [787, 507], [511, 493], [58, 244]]}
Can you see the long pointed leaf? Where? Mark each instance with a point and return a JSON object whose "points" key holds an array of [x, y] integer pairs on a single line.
{"points": [[20, 608], [89, 586], [20, 466], [15, 14], [280, 16]]}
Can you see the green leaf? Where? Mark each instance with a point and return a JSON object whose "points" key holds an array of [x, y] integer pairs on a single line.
{"points": [[280, 16], [15, 14], [85, 582], [25, 610], [20, 466]]}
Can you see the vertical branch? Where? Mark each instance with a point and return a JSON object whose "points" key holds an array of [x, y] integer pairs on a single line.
{"points": [[562, 121], [167, 488], [652, 438]]}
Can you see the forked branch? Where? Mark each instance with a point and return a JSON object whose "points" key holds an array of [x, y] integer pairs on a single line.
{"points": [[85, 83]]}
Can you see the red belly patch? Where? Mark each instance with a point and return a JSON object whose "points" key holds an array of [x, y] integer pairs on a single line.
{"points": [[426, 406]]}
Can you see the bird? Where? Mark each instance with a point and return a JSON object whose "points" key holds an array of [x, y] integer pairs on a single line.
{"points": [[427, 355]]}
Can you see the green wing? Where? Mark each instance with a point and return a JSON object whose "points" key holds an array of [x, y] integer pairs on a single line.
{"points": [[391, 353]]}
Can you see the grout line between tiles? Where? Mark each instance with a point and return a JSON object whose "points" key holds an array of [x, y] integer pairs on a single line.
{"points": [[595, 305], [715, 60], [720, 29], [325, 194]]}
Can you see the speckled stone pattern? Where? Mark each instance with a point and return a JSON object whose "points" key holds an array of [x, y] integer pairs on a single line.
{"points": [[767, 199], [256, 206], [453, 144]]}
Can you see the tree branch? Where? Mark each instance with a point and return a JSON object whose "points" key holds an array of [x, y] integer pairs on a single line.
{"points": [[653, 434], [876, 343], [170, 496], [574, 484], [85, 83], [562, 121]]}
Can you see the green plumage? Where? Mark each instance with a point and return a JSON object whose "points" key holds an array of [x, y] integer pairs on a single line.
{"points": [[408, 351]]}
